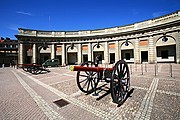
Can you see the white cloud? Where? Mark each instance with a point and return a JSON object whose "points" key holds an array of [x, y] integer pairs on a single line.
{"points": [[160, 13], [24, 13]]}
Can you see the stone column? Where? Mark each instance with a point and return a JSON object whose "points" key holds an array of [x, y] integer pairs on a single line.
{"points": [[137, 51], [117, 58], [34, 57], [63, 54], [79, 53], [21, 54], [53, 51], [178, 48], [90, 52], [151, 54], [106, 52]]}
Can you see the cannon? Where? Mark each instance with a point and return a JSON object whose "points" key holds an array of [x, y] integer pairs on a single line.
{"points": [[33, 68], [89, 75]]}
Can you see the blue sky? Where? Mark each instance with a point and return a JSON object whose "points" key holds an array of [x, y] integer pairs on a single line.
{"points": [[72, 15]]}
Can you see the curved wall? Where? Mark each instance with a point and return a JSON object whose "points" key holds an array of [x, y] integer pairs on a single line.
{"points": [[142, 38]]}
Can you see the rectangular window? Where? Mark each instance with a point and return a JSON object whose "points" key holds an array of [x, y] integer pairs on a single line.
{"points": [[127, 55], [164, 54]]}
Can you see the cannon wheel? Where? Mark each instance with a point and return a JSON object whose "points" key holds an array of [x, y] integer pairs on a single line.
{"points": [[87, 80], [120, 82]]}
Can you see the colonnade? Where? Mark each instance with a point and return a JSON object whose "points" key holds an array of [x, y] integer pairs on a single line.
{"points": [[118, 45]]}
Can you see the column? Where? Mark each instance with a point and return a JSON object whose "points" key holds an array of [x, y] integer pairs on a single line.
{"points": [[106, 52], [63, 54], [137, 51], [34, 58], [21, 54], [117, 51], [90, 52], [53, 51], [151, 54], [178, 48], [79, 53]]}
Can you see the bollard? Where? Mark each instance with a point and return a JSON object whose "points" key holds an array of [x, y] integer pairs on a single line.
{"points": [[145, 68], [170, 70], [136, 67], [142, 69], [3, 65], [131, 69], [155, 69]]}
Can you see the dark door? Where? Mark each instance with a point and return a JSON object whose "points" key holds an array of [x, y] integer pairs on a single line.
{"points": [[112, 58], [144, 56], [85, 58]]}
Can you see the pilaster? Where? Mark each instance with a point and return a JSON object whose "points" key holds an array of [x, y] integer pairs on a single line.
{"points": [[34, 57], [178, 48], [53, 51], [21, 54], [151, 54], [106, 52], [117, 51], [137, 51], [63, 54], [79, 53], [90, 52]]}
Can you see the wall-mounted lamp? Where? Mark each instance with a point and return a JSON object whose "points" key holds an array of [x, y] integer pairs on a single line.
{"points": [[45, 46], [72, 46], [126, 43], [164, 38], [98, 46]]}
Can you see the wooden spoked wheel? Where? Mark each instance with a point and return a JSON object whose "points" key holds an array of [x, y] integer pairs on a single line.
{"points": [[120, 82], [87, 80]]}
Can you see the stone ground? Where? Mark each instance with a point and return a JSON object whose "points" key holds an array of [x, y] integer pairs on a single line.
{"points": [[156, 95]]}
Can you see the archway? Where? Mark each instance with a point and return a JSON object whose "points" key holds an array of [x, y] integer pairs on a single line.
{"points": [[72, 55], [98, 50], [127, 52], [166, 49]]}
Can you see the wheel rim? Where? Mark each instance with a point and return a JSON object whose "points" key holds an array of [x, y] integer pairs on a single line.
{"points": [[120, 82], [87, 80]]}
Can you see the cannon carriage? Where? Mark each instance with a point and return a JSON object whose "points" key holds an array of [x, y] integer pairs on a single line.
{"points": [[33, 68], [89, 75]]}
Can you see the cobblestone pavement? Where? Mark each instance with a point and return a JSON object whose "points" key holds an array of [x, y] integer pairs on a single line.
{"points": [[27, 96]]}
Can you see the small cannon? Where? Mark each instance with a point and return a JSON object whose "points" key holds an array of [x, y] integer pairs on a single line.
{"points": [[89, 75], [33, 68]]}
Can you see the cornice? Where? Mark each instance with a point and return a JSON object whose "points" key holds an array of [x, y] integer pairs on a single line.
{"points": [[147, 26]]}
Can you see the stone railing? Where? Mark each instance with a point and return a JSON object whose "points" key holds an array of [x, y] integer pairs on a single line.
{"points": [[140, 25]]}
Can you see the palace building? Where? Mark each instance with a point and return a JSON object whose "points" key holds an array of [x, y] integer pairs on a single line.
{"points": [[153, 41], [8, 52]]}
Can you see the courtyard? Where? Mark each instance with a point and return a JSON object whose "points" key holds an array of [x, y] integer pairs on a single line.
{"points": [[155, 94]]}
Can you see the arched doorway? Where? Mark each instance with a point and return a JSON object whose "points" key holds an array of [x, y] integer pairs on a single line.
{"points": [[127, 52], [43, 54], [98, 50], [166, 49], [72, 55]]}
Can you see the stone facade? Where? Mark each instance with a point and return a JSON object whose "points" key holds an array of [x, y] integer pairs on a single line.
{"points": [[154, 40], [8, 52]]}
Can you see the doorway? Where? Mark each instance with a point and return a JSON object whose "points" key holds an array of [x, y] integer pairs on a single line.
{"points": [[72, 58], [101, 56], [144, 56], [112, 58], [85, 58]]}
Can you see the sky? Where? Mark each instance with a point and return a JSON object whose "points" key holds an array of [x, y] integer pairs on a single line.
{"points": [[74, 15]]}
